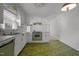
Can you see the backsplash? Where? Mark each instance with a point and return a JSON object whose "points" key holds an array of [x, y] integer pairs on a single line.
{"points": [[7, 32]]}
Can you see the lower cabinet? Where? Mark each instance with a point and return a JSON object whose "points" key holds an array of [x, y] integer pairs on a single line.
{"points": [[14, 47], [7, 49], [20, 42]]}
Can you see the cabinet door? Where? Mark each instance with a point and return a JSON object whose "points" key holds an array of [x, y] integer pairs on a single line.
{"points": [[1, 13], [18, 44]]}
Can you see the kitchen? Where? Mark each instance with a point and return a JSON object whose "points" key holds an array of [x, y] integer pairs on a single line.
{"points": [[12, 28], [9, 25], [38, 23]]}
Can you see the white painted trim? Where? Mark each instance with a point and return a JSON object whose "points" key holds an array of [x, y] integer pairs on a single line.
{"points": [[68, 44], [38, 42]]}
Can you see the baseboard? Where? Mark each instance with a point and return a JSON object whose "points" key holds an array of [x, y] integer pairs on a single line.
{"points": [[69, 45], [38, 42]]}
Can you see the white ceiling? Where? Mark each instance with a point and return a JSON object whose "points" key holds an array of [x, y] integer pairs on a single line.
{"points": [[53, 9]]}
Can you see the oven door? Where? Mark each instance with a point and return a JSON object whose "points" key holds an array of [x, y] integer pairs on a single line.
{"points": [[37, 36]]}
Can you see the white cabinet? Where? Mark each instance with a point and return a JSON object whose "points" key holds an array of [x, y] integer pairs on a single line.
{"points": [[45, 37], [41, 28], [20, 41], [37, 27]]}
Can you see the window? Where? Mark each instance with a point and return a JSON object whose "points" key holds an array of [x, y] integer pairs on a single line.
{"points": [[18, 20], [9, 20], [28, 28]]}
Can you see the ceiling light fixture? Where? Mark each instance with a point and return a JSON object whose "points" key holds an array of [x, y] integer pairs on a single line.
{"points": [[68, 6]]}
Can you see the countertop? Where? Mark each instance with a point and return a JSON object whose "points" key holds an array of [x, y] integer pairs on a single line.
{"points": [[5, 39], [2, 38]]}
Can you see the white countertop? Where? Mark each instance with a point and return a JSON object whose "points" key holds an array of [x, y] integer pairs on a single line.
{"points": [[2, 38], [5, 39]]}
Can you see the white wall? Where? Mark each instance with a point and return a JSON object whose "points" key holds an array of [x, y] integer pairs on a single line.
{"points": [[69, 25], [54, 28]]}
